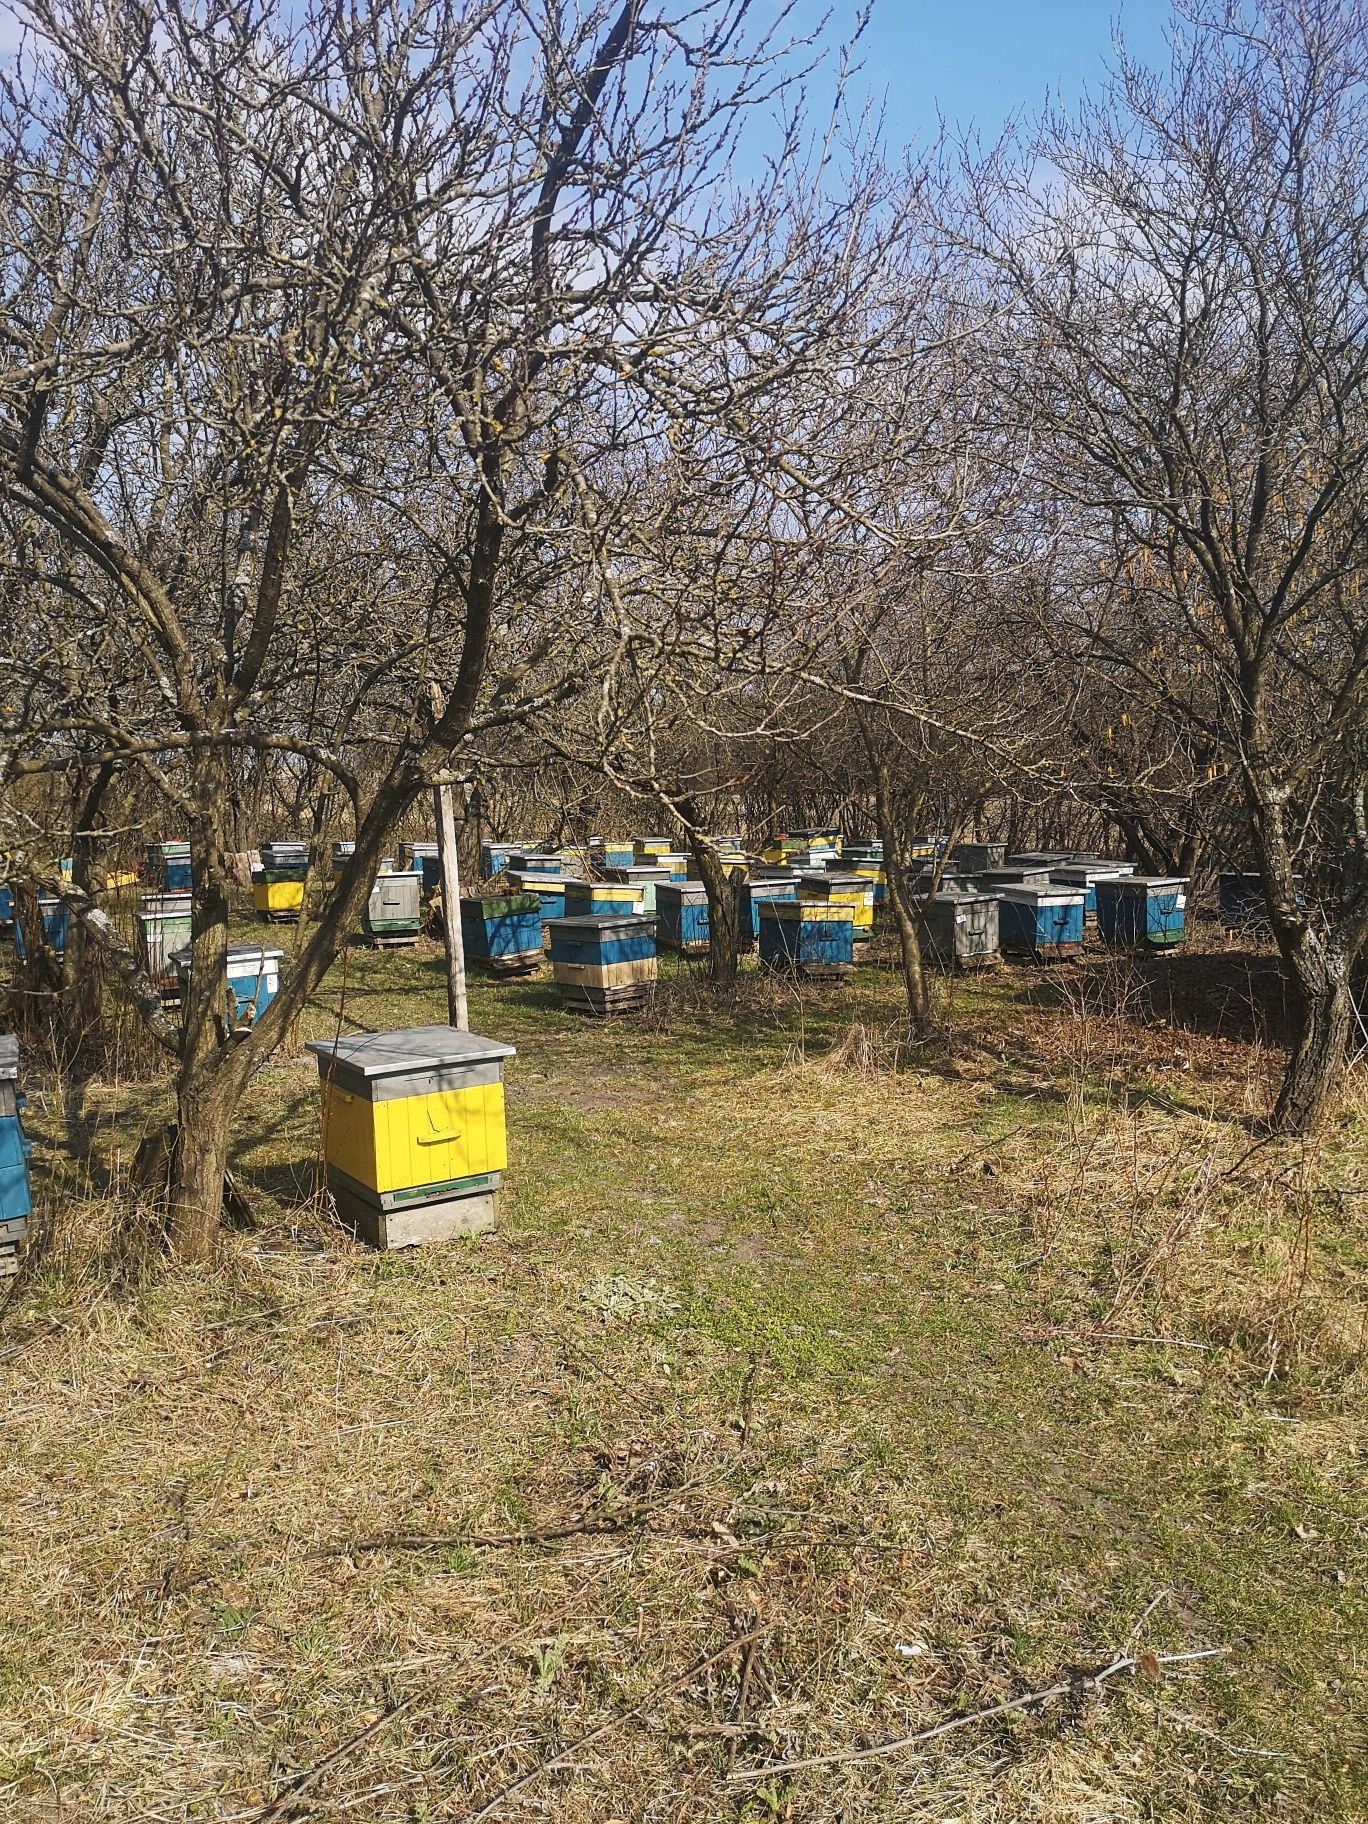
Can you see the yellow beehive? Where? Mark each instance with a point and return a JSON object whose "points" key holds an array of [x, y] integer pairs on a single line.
{"points": [[413, 1131], [278, 898]]}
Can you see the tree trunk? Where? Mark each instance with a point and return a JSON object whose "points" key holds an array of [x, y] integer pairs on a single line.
{"points": [[208, 1082], [723, 888], [1313, 1082], [906, 915]]}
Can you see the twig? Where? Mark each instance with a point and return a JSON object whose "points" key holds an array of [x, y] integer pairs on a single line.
{"points": [[591, 1523], [283, 1801], [748, 1401], [556, 1760], [1030, 1700]]}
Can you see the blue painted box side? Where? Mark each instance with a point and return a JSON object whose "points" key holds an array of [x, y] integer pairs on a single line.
{"points": [[1024, 925], [501, 934], [621, 947], [54, 915], [15, 1200], [252, 992], [6, 906], [784, 942]]}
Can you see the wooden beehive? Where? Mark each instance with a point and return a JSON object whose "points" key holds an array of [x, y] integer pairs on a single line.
{"points": [[1142, 910], [604, 964], [682, 917], [502, 932], [1040, 923], [414, 1136], [960, 930], [807, 938]]}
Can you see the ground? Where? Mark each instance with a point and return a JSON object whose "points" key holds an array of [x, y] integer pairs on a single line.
{"points": [[816, 1390]]}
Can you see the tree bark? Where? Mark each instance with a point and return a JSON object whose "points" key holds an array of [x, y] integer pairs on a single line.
{"points": [[723, 887], [1313, 1082], [906, 915]]}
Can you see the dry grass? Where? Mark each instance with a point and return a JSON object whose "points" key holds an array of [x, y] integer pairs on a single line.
{"points": [[789, 1331]]}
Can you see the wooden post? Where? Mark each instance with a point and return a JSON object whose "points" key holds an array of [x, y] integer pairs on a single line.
{"points": [[457, 1012]]}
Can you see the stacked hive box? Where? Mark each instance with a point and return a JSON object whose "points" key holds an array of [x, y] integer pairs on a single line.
{"points": [[413, 1132], [253, 974], [605, 963], [682, 916], [53, 915], [164, 924], [1142, 909], [586, 898], [642, 875], [989, 880], [278, 884], [1042, 923], [960, 930], [502, 932], [494, 856], [423, 859], [974, 857], [15, 1148], [848, 890], [753, 895], [394, 913], [610, 854], [535, 861], [646, 848], [550, 890], [806, 937], [168, 866]]}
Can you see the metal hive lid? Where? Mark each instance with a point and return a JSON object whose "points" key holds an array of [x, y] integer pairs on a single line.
{"points": [[594, 924], [413, 1048]]}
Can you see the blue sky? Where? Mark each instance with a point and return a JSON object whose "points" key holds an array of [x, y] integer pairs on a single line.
{"points": [[982, 61]]}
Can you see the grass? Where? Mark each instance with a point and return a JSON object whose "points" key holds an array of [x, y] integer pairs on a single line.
{"points": [[934, 1367]]}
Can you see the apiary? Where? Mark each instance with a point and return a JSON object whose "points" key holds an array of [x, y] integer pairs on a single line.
{"points": [[605, 963], [164, 926], [1042, 923], [1083, 877], [843, 890], [586, 898], [1140, 909], [53, 914], [960, 930], [502, 932], [253, 974], [168, 866], [643, 875], [806, 937], [974, 857], [414, 1138], [753, 895], [15, 1150], [682, 917], [393, 916]]}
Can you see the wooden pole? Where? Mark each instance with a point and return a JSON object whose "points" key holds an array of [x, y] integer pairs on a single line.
{"points": [[457, 1013]]}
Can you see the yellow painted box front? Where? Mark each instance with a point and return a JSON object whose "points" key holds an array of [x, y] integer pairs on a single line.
{"points": [[415, 1140], [278, 895]]}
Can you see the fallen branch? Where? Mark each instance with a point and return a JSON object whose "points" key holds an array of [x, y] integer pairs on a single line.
{"points": [[617, 1722], [299, 1786], [1078, 1685]]}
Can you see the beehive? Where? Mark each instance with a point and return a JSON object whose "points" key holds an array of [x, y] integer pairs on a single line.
{"points": [[164, 923], [550, 890], [414, 1139], [393, 914], [974, 857], [275, 899], [843, 890], [1042, 923], [960, 930], [1243, 906], [682, 917], [1142, 909], [1039, 858], [169, 866], [609, 854], [988, 880], [1083, 877], [753, 894], [535, 861], [806, 937], [642, 875], [253, 974], [494, 856], [646, 848], [53, 914], [605, 963], [15, 1149], [342, 853], [586, 898], [502, 932]]}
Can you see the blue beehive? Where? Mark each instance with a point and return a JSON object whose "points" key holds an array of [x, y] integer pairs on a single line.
{"points": [[1083, 877], [54, 916], [535, 861], [753, 895], [1142, 909], [603, 964], [502, 932], [549, 889], [1040, 922], [1242, 902], [15, 1149], [168, 866], [806, 937], [253, 974], [589, 898], [682, 916], [6, 906]]}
